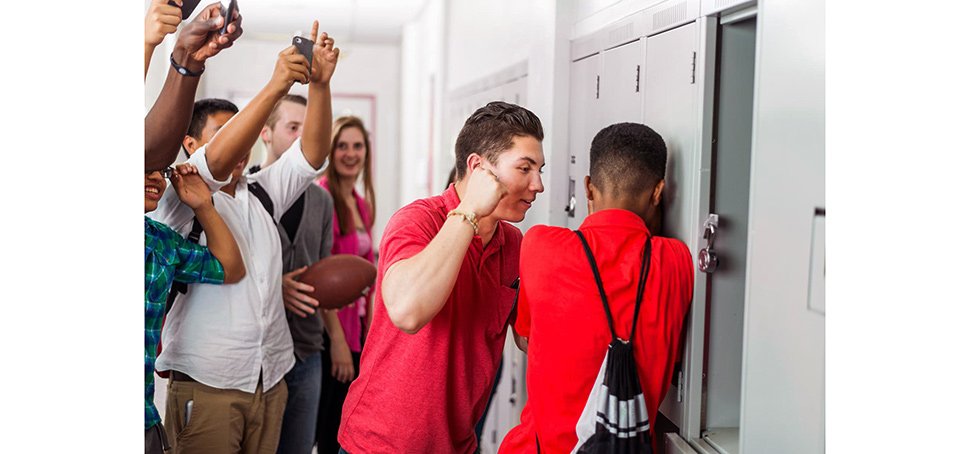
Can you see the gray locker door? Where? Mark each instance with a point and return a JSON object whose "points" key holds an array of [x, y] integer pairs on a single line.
{"points": [[584, 114], [670, 108], [731, 172], [621, 99]]}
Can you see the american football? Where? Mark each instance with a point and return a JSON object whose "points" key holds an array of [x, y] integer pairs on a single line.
{"points": [[339, 280]]}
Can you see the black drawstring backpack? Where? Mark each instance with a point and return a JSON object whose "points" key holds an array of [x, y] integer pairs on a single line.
{"points": [[615, 419]]}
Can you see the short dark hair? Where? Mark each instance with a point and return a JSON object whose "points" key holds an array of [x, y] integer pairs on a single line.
{"points": [[627, 158], [491, 129], [274, 116], [205, 107]]}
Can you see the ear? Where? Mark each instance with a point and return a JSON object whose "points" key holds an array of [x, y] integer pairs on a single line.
{"points": [[588, 182], [473, 161], [190, 144], [266, 134], [657, 193]]}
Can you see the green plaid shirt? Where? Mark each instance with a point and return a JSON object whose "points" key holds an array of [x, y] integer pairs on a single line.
{"points": [[168, 258]]}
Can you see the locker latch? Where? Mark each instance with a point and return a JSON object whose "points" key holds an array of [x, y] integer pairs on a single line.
{"points": [[571, 205], [707, 258]]}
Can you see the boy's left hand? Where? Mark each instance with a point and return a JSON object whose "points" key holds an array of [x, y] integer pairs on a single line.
{"points": [[324, 56], [189, 186]]}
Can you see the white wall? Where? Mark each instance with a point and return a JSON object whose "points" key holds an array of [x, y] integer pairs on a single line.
{"points": [[422, 55]]}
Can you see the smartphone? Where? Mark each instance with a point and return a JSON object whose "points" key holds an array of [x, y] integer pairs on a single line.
{"points": [[187, 7], [231, 11], [305, 46], [188, 412]]}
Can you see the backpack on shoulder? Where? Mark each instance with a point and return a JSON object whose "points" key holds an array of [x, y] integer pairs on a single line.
{"points": [[615, 418]]}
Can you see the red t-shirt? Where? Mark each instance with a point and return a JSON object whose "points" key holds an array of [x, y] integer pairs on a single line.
{"points": [[423, 393], [561, 313]]}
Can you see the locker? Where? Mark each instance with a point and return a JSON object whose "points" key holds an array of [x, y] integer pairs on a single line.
{"points": [[670, 108], [620, 92], [584, 123]]}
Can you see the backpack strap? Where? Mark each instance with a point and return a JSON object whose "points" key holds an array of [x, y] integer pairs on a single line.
{"points": [[182, 287], [641, 284], [257, 190]]}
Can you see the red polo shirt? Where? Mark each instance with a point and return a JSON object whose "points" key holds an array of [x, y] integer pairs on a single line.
{"points": [[561, 313], [423, 393]]}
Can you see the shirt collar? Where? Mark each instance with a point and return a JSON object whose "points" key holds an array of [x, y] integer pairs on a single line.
{"points": [[451, 198], [615, 217]]}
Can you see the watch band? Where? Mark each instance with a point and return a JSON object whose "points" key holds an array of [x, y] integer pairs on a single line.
{"points": [[183, 70]]}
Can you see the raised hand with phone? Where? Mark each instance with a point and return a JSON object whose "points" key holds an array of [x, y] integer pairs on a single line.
{"points": [[199, 40]]}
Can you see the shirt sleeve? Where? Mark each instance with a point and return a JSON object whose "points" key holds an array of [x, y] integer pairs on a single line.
{"points": [[407, 233], [196, 264], [198, 159], [286, 179]]}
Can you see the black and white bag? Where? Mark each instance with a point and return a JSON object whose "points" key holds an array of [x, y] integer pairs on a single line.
{"points": [[615, 418]]}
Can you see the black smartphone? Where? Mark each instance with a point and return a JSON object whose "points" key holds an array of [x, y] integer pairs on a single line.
{"points": [[231, 11], [187, 7], [305, 46]]}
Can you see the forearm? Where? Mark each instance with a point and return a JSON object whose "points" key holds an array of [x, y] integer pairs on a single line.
{"points": [[168, 120], [434, 270], [149, 50], [334, 330], [318, 125], [221, 243], [237, 137]]}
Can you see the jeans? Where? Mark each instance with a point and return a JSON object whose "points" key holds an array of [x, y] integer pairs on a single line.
{"points": [[300, 416]]}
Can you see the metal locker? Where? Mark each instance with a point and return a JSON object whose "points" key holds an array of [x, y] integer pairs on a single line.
{"points": [[620, 85], [584, 121], [670, 107]]}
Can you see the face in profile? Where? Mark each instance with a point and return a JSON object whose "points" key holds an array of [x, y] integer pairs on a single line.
{"points": [[519, 169], [350, 153]]}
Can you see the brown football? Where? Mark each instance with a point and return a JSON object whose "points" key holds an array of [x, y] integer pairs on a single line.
{"points": [[339, 280]]}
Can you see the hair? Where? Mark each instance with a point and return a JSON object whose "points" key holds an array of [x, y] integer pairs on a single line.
{"points": [[344, 216], [490, 131], [274, 116], [451, 177], [627, 158], [205, 107]]}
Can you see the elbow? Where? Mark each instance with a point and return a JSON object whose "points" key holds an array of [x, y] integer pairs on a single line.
{"points": [[405, 320], [234, 274]]}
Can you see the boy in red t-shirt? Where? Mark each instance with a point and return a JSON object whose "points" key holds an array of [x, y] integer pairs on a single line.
{"points": [[560, 320], [444, 295]]}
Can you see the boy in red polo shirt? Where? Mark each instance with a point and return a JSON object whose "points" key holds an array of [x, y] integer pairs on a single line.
{"points": [[560, 320], [444, 295]]}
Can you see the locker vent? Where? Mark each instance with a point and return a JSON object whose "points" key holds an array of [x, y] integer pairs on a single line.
{"points": [[622, 34], [675, 14], [720, 5]]}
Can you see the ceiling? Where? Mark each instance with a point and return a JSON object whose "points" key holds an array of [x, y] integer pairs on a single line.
{"points": [[356, 21]]}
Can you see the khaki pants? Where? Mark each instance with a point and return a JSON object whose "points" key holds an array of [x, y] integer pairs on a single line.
{"points": [[223, 420]]}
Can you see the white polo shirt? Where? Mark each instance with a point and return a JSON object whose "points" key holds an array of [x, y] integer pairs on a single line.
{"points": [[222, 335]]}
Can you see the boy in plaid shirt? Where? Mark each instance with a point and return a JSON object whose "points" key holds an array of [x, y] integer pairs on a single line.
{"points": [[169, 258]]}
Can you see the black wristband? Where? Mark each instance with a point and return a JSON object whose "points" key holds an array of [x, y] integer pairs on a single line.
{"points": [[183, 70]]}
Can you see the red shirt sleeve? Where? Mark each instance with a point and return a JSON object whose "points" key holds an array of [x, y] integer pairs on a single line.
{"points": [[407, 233]]}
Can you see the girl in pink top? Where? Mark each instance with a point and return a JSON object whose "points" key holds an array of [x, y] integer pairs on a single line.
{"points": [[350, 156]]}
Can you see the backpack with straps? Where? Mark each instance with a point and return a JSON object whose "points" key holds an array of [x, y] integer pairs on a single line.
{"points": [[194, 235], [615, 418]]}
